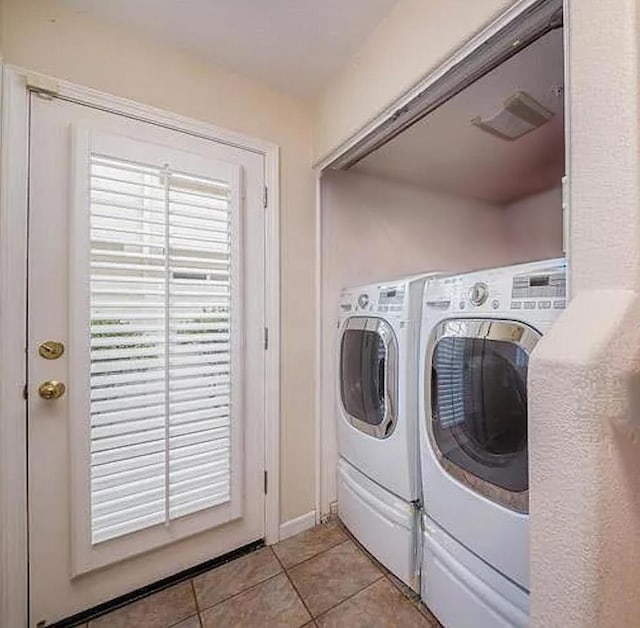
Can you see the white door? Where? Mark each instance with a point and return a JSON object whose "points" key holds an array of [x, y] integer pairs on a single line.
{"points": [[146, 262]]}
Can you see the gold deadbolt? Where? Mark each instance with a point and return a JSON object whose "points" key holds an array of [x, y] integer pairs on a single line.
{"points": [[51, 390], [51, 349]]}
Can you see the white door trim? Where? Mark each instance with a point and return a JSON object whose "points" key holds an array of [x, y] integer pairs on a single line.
{"points": [[320, 465], [14, 137]]}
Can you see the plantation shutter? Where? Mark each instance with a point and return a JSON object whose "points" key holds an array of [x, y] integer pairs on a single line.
{"points": [[161, 316]]}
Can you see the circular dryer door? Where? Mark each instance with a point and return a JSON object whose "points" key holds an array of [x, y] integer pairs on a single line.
{"points": [[478, 401], [369, 375]]}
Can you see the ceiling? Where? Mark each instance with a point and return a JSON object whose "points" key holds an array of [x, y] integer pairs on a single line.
{"points": [[445, 152], [293, 45]]}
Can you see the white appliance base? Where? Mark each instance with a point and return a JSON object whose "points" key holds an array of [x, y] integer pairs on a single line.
{"points": [[463, 591], [385, 524]]}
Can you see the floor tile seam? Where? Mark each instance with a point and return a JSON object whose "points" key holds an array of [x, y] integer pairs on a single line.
{"points": [[130, 604], [195, 598], [364, 550], [249, 588], [390, 577], [422, 607], [320, 553], [295, 588], [415, 600], [346, 599], [177, 623]]}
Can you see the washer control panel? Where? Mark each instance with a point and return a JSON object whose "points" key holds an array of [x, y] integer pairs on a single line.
{"points": [[380, 299]]}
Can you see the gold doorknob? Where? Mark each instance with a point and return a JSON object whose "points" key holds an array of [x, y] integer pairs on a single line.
{"points": [[51, 390]]}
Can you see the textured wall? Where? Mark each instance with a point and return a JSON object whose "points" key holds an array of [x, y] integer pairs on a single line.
{"points": [[45, 36], [409, 43], [585, 386], [534, 226], [375, 229]]}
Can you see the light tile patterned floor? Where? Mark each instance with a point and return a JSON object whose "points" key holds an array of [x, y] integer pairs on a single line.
{"points": [[321, 578]]}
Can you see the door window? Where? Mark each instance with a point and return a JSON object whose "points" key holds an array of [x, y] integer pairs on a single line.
{"points": [[479, 404], [160, 294], [367, 375]]}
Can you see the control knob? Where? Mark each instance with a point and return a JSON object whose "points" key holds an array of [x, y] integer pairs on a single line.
{"points": [[479, 293]]}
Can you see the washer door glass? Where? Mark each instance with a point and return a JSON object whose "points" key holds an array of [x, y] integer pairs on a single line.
{"points": [[367, 375], [479, 399]]}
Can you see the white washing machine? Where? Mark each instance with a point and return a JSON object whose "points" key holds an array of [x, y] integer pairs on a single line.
{"points": [[478, 332], [377, 391]]}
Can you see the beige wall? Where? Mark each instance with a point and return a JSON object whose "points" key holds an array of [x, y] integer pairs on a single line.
{"points": [[43, 36], [409, 43], [375, 229], [585, 401], [534, 226]]}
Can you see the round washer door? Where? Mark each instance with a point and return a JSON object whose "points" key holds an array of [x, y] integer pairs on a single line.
{"points": [[477, 383], [369, 375]]}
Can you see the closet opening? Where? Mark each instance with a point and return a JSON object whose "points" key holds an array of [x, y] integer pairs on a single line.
{"points": [[468, 174]]}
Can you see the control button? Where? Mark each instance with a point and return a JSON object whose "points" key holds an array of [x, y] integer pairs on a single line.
{"points": [[529, 305], [363, 300], [516, 305], [544, 305], [559, 305], [495, 304], [479, 293]]}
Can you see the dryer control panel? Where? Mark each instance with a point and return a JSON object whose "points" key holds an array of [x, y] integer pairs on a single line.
{"points": [[533, 286], [539, 290]]}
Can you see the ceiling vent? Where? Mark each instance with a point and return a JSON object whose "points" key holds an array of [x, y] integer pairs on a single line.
{"points": [[520, 114]]}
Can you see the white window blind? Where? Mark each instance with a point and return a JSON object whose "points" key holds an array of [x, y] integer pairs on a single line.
{"points": [[160, 354]]}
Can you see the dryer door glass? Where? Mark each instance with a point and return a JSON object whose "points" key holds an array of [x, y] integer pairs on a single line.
{"points": [[479, 400], [367, 377]]}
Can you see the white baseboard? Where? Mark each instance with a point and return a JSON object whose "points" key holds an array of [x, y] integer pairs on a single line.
{"points": [[297, 525]]}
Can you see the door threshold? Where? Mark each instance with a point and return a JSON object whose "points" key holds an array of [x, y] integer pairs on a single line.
{"points": [[122, 600]]}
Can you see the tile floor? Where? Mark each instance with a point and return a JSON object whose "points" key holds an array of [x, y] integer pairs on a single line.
{"points": [[320, 578]]}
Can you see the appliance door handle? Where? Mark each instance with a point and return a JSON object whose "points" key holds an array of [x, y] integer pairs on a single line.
{"points": [[433, 392], [381, 371]]}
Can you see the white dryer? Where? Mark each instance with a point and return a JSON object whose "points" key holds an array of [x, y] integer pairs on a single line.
{"points": [[377, 391], [478, 332]]}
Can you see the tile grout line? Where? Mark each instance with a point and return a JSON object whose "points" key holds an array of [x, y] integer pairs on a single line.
{"points": [[357, 545], [350, 597], [231, 597], [324, 551], [346, 540], [414, 599], [286, 573], [195, 598]]}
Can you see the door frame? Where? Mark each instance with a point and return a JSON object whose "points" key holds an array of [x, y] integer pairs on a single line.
{"points": [[15, 87]]}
